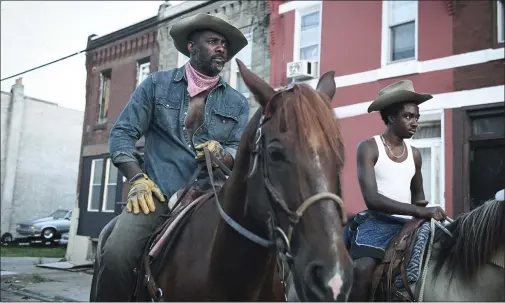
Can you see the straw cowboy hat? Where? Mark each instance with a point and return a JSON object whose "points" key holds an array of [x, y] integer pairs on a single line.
{"points": [[217, 23], [401, 91]]}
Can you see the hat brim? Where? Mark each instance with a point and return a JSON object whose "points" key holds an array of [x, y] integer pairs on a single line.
{"points": [[181, 30], [399, 96]]}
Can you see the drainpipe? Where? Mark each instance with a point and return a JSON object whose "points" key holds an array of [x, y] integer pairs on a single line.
{"points": [[14, 130]]}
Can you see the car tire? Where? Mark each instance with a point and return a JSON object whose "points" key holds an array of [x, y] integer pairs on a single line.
{"points": [[49, 233], [6, 238]]}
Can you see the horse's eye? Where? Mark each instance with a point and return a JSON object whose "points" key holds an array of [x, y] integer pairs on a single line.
{"points": [[276, 155]]}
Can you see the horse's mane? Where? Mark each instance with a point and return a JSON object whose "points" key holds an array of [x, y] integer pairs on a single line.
{"points": [[477, 235], [310, 115]]}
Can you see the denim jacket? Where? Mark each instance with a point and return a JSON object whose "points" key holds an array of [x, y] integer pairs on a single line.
{"points": [[157, 110]]}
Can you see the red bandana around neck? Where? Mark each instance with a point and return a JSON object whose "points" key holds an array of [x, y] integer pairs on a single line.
{"points": [[198, 82]]}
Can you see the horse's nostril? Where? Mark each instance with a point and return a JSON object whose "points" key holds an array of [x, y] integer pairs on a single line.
{"points": [[316, 289]]}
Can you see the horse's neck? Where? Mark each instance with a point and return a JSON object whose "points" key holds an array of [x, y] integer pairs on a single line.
{"points": [[231, 251], [487, 285]]}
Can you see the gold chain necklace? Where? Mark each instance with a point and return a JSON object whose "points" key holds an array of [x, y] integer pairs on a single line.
{"points": [[389, 148]]}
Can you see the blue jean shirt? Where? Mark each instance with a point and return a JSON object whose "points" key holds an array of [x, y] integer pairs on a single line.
{"points": [[157, 110]]}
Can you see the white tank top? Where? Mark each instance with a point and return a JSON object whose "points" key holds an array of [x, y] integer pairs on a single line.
{"points": [[393, 178]]}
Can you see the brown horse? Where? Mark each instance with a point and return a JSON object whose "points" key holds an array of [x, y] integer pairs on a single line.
{"points": [[280, 199]]}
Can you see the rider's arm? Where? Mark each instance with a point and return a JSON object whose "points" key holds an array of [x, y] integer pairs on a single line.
{"points": [[130, 126], [232, 145], [366, 157], [416, 185]]}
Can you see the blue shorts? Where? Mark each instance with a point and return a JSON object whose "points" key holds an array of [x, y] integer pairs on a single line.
{"points": [[369, 234]]}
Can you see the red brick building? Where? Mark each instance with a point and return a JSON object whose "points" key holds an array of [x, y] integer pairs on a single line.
{"points": [[115, 63], [451, 49]]}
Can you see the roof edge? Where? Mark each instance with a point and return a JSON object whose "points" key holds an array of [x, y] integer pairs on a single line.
{"points": [[99, 41]]}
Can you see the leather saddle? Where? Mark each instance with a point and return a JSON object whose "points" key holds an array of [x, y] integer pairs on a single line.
{"points": [[185, 197], [395, 261]]}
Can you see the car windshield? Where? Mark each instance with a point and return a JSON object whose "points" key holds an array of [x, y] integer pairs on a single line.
{"points": [[59, 214]]}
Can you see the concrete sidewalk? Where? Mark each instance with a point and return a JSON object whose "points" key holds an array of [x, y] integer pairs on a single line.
{"points": [[21, 277]]}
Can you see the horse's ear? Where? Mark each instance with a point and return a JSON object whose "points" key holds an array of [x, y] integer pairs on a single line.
{"points": [[260, 89], [327, 84]]}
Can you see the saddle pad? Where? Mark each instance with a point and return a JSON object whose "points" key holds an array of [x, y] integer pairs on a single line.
{"points": [[162, 240], [413, 269]]}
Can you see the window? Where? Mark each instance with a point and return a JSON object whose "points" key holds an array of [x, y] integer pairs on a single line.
{"points": [[61, 214], [245, 55], [428, 141], [488, 125], [95, 185], [181, 59], [97, 200], [402, 34], [109, 193], [310, 34], [103, 106], [143, 70], [499, 21]]}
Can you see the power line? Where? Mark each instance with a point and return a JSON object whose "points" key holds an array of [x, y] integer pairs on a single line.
{"points": [[156, 26], [77, 53], [43, 65]]}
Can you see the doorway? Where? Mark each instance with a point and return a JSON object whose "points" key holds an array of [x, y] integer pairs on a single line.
{"points": [[486, 155], [479, 146], [487, 170]]}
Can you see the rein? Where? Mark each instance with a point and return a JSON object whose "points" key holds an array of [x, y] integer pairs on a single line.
{"points": [[281, 240]]}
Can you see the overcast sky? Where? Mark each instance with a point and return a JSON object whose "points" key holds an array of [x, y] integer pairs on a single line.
{"points": [[37, 32]]}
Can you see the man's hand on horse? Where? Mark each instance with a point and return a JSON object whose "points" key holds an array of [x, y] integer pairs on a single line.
{"points": [[141, 195], [214, 148], [435, 212]]}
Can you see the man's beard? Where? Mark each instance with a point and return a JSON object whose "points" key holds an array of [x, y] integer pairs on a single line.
{"points": [[209, 67]]}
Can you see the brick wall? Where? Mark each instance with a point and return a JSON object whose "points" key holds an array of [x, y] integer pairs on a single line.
{"points": [[248, 16], [479, 75], [473, 26], [474, 29], [121, 58]]}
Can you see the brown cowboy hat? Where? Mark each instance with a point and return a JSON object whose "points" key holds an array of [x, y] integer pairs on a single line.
{"points": [[401, 91], [217, 23]]}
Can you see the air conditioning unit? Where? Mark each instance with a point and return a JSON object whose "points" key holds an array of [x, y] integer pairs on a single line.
{"points": [[303, 69]]}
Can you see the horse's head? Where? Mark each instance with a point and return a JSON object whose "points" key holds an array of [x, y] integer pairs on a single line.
{"points": [[296, 154]]}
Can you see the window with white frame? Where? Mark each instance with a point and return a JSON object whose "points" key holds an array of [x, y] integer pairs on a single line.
{"points": [[500, 21], [310, 33], [402, 34], [181, 59], [245, 55], [428, 140], [95, 185], [143, 70], [109, 193]]}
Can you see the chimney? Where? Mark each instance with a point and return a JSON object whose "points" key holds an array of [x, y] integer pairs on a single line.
{"points": [[19, 81], [163, 10]]}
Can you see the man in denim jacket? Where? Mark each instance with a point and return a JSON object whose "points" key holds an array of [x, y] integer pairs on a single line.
{"points": [[179, 111]]}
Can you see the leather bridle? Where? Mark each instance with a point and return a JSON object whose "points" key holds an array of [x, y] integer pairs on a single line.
{"points": [[278, 239]]}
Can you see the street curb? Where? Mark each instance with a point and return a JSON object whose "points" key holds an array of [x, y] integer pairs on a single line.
{"points": [[34, 295]]}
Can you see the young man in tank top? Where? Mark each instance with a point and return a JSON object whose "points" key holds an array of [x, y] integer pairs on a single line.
{"points": [[179, 111], [389, 174]]}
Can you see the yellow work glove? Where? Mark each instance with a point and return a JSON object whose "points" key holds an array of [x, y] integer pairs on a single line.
{"points": [[140, 195], [214, 148]]}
